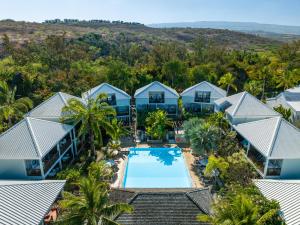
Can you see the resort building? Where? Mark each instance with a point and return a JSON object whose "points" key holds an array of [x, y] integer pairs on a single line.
{"points": [[287, 193], [157, 96], [273, 146], [28, 202], [51, 109], [289, 99], [243, 107], [164, 207], [117, 98], [200, 98], [36, 149]]}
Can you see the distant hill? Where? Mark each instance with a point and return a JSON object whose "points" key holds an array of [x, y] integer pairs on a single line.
{"points": [[280, 32], [131, 32]]}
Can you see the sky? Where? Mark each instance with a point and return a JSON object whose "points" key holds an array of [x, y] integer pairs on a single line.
{"points": [[285, 12]]}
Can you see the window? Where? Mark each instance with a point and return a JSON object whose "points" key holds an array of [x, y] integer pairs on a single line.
{"points": [[156, 97], [202, 96], [111, 99], [274, 167], [33, 168]]}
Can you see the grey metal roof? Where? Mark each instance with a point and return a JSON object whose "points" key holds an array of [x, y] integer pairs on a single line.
{"points": [[52, 107], [31, 138], [27, 202], [286, 99], [216, 90], [273, 137], [294, 90], [142, 89], [97, 90], [287, 193], [245, 105], [163, 208]]}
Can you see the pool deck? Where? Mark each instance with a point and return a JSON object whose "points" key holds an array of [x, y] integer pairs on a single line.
{"points": [[189, 160]]}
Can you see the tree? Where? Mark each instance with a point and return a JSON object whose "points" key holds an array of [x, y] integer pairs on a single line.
{"points": [[10, 107], [92, 206], [285, 112], [157, 123], [288, 79], [216, 164], [240, 171], [174, 72], [189, 125], [227, 81], [238, 210], [254, 87], [94, 116], [120, 75], [204, 138], [100, 171], [218, 120]]}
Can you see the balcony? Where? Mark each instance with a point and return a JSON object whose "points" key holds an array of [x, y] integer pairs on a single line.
{"points": [[257, 159], [50, 159], [199, 108], [171, 109], [122, 111]]}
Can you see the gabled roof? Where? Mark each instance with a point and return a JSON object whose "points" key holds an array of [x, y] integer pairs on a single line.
{"points": [[52, 107], [27, 202], [167, 208], [142, 89], [31, 138], [287, 193], [294, 90], [217, 91], [245, 105], [287, 100], [273, 137], [97, 90]]}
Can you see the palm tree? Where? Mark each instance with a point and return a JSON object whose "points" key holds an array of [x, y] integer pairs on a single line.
{"points": [[94, 115], [204, 138], [227, 81], [238, 210], [118, 131], [288, 79], [92, 206], [11, 107]]}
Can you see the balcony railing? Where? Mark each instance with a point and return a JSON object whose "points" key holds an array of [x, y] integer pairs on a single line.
{"points": [[171, 109], [122, 110], [199, 108]]}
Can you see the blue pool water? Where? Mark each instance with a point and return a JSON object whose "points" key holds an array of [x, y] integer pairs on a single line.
{"points": [[156, 168]]}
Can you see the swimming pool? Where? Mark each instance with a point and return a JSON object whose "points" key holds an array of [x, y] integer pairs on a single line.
{"points": [[156, 168]]}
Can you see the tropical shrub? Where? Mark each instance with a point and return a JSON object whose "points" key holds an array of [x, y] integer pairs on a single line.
{"points": [[285, 112], [157, 124], [239, 209]]}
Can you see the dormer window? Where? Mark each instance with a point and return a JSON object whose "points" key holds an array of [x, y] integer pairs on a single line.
{"points": [[202, 96], [156, 97]]}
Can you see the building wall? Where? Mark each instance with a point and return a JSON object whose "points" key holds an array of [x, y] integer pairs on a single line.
{"points": [[290, 169], [123, 102], [142, 101], [12, 169], [108, 90], [157, 87], [190, 99]]}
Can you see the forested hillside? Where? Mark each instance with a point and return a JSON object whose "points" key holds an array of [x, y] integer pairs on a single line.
{"points": [[40, 59]]}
